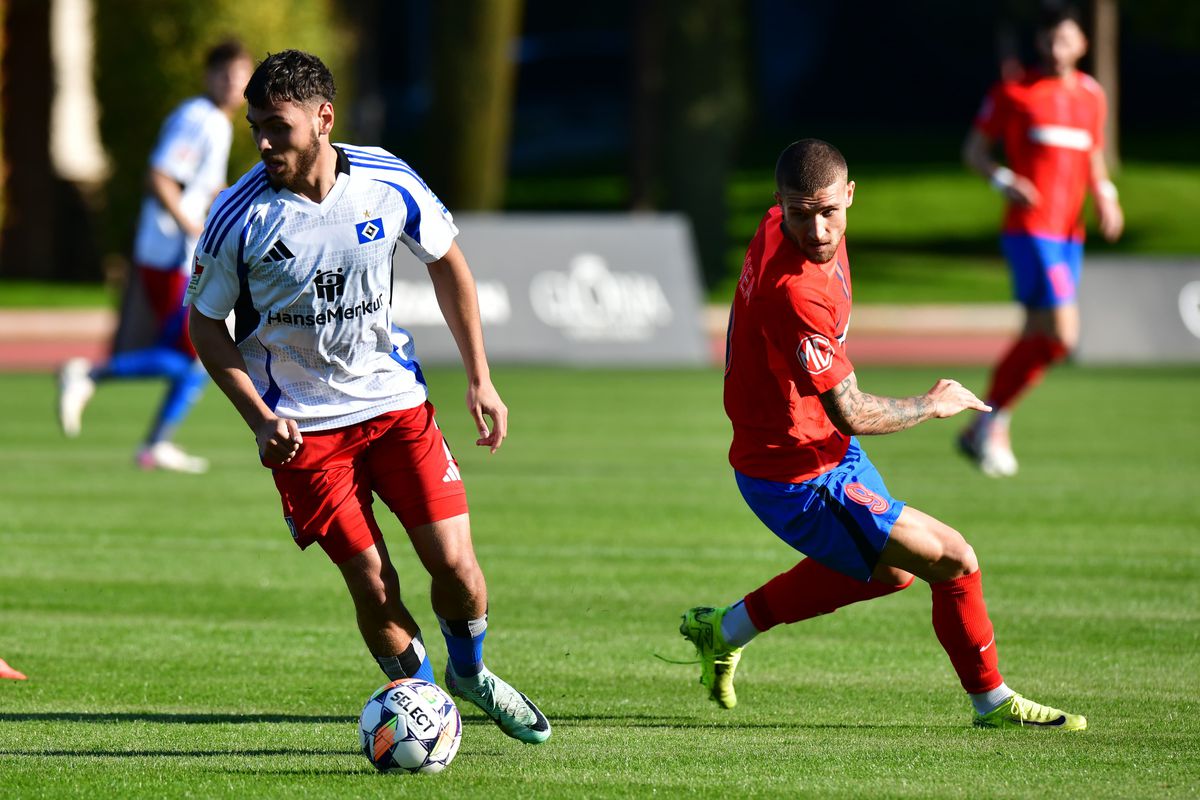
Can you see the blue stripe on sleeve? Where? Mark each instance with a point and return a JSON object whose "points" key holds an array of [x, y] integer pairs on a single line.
{"points": [[354, 152], [235, 194], [407, 170], [412, 225], [230, 214], [399, 166]]}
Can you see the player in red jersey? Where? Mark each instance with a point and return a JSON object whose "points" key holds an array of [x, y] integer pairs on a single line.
{"points": [[1051, 123], [793, 398]]}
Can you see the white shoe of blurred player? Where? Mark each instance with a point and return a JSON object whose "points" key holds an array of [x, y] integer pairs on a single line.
{"points": [[75, 389], [986, 443], [165, 455]]}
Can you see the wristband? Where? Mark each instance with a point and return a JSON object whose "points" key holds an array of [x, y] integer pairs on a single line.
{"points": [[1107, 190], [1002, 178]]}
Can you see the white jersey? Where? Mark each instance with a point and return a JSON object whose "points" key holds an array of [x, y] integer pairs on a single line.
{"points": [[192, 149], [310, 285]]}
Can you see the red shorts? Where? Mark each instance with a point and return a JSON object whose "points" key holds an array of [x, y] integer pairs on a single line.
{"points": [[400, 456], [164, 289]]}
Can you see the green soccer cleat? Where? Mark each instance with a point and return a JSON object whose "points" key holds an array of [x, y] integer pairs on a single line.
{"points": [[718, 661], [512, 711], [1020, 712]]}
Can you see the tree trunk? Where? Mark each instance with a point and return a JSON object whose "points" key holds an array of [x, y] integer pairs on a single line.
{"points": [[704, 100], [3, 158], [29, 225], [647, 86], [471, 116], [1105, 54]]}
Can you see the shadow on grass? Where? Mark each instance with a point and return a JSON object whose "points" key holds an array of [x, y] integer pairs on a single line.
{"points": [[630, 720], [295, 751], [115, 718], [175, 719], [366, 772], [665, 721]]}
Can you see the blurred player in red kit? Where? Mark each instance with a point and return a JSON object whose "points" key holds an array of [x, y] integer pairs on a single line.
{"points": [[1050, 121], [187, 169]]}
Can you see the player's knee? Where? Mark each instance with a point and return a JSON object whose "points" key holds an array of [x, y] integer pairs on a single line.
{"points": [[955, 559], [456, 565], [960, 560], [371, 594], [374, 590]]}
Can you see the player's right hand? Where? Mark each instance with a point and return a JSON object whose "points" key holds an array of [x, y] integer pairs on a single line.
{"points": [[1023, 192], [484, 401], [279, 440], [1112, 219], [950, 397]]}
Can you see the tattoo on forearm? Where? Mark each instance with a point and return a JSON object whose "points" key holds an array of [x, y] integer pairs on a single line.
{"points": [[863, 413]]}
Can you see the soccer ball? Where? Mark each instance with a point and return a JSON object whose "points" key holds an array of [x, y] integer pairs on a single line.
{"points": [[410, 725]]}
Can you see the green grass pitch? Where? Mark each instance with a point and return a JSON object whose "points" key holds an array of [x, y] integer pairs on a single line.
{"points": [[178, 645]]}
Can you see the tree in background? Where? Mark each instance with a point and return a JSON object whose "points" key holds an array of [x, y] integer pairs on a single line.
{"points": [[690, 102], [150, 56], [1104, 46], [29, 243], [470, 123], [3, 165]]}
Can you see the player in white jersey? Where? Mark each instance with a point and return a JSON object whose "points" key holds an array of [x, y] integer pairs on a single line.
{"points": [[187, 170], [300, 251]]}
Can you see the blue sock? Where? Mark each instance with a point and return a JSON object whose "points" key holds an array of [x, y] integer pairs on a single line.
{"points": [[425, 672], [185, 390], [464, 644]]}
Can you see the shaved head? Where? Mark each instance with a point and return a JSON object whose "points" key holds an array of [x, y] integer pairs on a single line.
{"points": [[808, 166]]}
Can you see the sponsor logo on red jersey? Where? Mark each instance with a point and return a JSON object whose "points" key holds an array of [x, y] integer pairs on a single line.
{"points": [[815, 353]]}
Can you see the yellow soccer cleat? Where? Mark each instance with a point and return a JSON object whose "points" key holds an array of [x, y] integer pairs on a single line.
{"points": [[718, 661], [1020, 712]]}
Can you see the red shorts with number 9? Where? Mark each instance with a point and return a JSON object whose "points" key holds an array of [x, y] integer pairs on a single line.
{"points": [[400, 456]]}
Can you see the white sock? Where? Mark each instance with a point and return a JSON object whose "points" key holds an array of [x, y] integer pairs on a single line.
{"points": [[990, 701], [736, 627]]}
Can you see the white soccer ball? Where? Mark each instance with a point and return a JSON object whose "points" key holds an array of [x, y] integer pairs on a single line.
{"points": [[410, 725]]}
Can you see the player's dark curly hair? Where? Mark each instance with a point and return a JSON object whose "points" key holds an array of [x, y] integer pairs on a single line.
{"points": [[290, 75], [808, 166]]}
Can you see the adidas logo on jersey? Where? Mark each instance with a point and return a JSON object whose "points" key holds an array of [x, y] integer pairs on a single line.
{"points": [[452, 474], [278, 252]]}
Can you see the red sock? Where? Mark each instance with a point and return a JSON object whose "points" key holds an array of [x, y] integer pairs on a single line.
{"points": [[809, 589], [961, 623], [1022, 368]]}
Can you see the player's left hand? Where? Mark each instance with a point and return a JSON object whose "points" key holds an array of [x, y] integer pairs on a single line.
{"points": [[950, 397], [1112, 219], [484, 401]]}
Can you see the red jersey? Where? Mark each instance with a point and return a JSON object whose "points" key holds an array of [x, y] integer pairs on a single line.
{"points": [[785, 346], [1050, 130]]}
